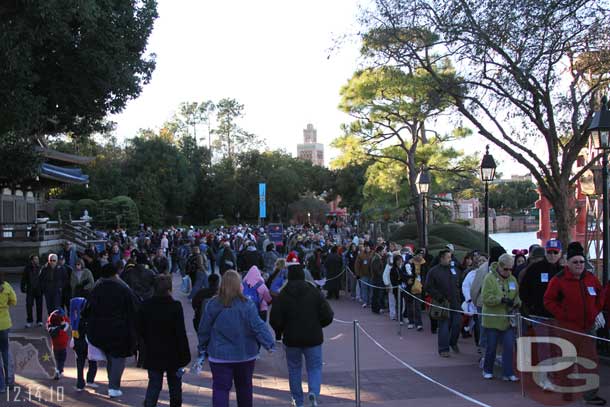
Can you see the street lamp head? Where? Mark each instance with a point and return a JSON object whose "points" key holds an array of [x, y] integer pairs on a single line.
{"points": [[599, 129], [423, 181], [488, 167]]}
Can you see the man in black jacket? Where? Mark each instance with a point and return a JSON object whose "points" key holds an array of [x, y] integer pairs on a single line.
{"points": [[298, 315], [443, 285], [30, 285]]}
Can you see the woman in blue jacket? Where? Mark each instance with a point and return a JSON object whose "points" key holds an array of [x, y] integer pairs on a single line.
{"points": [[231, 334]]}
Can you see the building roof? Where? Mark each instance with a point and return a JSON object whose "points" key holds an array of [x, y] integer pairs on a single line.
{"points": [[51, 154], [64, 175]]}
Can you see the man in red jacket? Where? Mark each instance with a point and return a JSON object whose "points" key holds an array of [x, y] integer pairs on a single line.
{"points": [[575, 297]]}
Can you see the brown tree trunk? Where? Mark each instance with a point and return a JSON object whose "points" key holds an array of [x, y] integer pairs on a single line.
{"points": [[564, 214]]}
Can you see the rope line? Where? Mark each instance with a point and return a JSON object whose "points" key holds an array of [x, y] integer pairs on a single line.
{"points": [[420, 374], [566, 330]]}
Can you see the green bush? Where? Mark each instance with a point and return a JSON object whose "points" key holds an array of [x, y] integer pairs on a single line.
{"points": [[215, 223], [84, 204], [463, 238], [63, 208], [127, 209]]}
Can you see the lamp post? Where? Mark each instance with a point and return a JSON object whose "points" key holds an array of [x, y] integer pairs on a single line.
{"points": [[423, 186], [599, 130], [488, 172]]}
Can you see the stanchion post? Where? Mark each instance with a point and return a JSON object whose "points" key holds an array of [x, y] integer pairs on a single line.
{"points": [[357, 362], [399, 316], [519, 349]]}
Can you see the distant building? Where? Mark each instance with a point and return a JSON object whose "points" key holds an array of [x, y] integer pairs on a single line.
{"points": [[311, 150]]}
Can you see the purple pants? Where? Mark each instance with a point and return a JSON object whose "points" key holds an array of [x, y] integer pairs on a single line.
{"points": [[223, 376]]}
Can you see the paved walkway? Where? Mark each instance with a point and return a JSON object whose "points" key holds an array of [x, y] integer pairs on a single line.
{"points": [[386, 382]]}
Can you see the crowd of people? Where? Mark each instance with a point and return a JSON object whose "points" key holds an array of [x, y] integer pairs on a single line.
{"points": [[248, 291]]}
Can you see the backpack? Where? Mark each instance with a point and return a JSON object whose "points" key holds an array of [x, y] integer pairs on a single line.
{"points": [[278, 282], [252, 293]]}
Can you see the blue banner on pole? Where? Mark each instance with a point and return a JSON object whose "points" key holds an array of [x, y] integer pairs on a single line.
{"points": [[262, 208]]}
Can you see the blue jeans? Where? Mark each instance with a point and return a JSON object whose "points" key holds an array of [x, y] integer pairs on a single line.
{"points": [[365, 290], [155, 383], [508, 338], [4, 373], [313, 362], [449, 331], [482, 335]]}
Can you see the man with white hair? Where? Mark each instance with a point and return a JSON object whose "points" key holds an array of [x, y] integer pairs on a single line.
{"points": [[52, 281]]}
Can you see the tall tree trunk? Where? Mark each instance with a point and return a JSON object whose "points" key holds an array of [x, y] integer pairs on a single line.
{"points": [[564, 214]]}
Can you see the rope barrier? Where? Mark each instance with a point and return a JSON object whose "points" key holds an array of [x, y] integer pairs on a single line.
{"points": [[430, 304], [336, 277], [342, 321], [566, 330], [419, 373]]}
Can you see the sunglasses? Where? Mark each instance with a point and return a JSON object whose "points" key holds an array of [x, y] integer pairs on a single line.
{"points": [[52, 261], [507, 269], [552, 251], [578, 262]]}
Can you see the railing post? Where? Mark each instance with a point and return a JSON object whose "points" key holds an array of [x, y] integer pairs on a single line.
{"points": [[519, 348], [357, 362], [399, 316]]}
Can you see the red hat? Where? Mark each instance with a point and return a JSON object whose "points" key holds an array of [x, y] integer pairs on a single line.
{"points": [[292, 258]]}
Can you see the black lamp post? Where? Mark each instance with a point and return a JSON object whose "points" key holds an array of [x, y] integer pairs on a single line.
{"points": [[599, 129], [423, 186], [488, 172]]}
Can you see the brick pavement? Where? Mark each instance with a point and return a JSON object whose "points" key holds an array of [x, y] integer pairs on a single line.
{"points": [[384, 381]]}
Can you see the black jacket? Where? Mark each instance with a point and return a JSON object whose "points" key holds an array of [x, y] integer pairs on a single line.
{"points": [[30, 280], [299, 313], [198, 301], [249, 258], [52, 280], [532, 287], [160, 324], [140, 279], [333, 265], [443, 284], [111, 318]]}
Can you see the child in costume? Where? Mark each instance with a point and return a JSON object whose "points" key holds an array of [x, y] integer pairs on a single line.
{"points": [[57, 326]]}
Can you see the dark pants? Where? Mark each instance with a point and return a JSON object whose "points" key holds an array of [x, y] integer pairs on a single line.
{"points": [[53, 300], [30, 300], [4, 373], [114, 369], [223, 375], [400, 304], [449, 331], [155, 383], [60, 359], [80, 348]]}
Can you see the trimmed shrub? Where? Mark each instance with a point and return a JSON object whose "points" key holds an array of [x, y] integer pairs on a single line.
{"points": [[215, 223], [127, 209], [84, 204], [63, 208]]}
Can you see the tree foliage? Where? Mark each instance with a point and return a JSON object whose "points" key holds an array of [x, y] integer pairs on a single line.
{"points": [[527, 74], [67, 64]]}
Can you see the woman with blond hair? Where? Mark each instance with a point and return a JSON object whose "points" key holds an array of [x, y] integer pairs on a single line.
{"points": [[231, 334]]}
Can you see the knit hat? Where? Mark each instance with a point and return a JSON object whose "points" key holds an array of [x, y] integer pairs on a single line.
{"points": [[296, 273], [575, 249], [495, 253], [537, 252]]}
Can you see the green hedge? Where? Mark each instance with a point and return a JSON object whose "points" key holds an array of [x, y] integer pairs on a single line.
{"points": [[84, 204], [214, 223], [439, 235]]}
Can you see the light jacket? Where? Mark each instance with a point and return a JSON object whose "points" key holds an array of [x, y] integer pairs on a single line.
{"points": [[495, 287], [233, 333], [7, 299]]}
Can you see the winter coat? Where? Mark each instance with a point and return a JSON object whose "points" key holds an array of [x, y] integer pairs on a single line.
{"points": [[82, 287], [233, 333], [227, 260], [269, 259], [533, 286], [160, 325], [443, 283], [111, 318], [496, 287], [200, 300], [161, 264], [254, 277], [574, 301], [57, 327], [250, 257], [299, 313], [377, 266], [52, 280], [140, 279], [477, 283], [30, 280], [333, 266], [8, 298], [363, 265]]}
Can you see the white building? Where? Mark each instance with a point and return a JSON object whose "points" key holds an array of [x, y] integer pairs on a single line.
{"points": [[311, 150]]}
